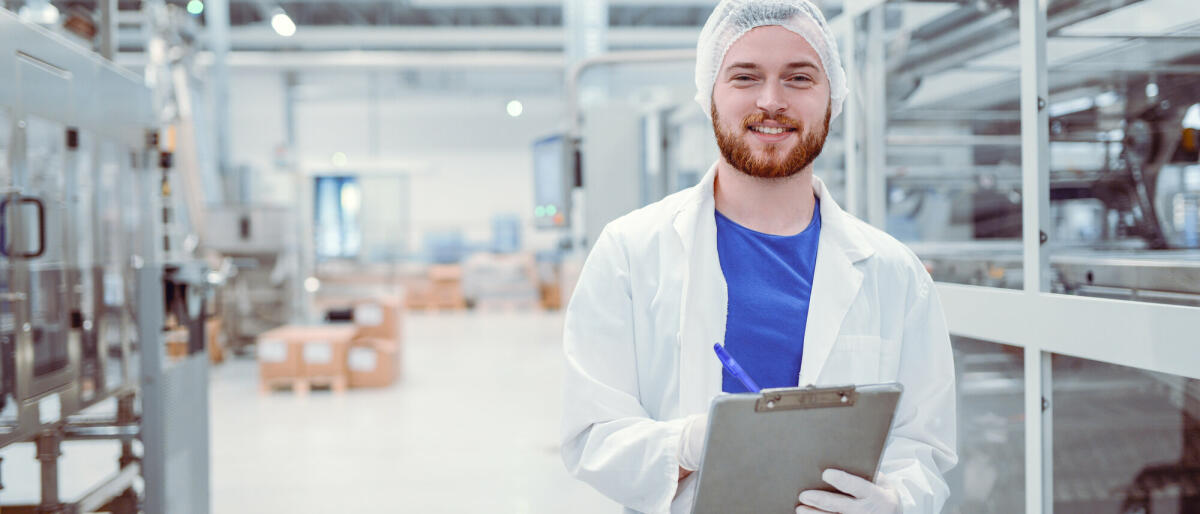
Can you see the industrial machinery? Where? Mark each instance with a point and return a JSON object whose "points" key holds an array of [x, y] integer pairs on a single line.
{"points": [[258, 242], [1124, 178], [1124, 171], [89, 278]]}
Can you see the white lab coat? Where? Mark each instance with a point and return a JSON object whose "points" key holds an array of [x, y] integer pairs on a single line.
{"points": [[651, 301]]}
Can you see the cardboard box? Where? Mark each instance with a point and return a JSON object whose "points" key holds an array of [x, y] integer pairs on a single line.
{"points": [[417, 293], [551, 296], [177, 344], [373, 362], [305, 351], [277, 356], [446, 290], [378, 318], [216, 342]]}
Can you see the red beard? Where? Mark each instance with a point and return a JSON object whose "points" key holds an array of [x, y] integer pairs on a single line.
{"points": [[774, 164]]}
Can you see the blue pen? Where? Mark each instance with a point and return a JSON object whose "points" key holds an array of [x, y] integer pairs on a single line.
{"points": [[734, 369]]}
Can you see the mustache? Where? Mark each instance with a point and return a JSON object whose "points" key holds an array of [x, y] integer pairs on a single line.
{"points": [[782, 119]]}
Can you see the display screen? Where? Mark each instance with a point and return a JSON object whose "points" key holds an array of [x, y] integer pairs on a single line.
{"points": [[549, 182]]}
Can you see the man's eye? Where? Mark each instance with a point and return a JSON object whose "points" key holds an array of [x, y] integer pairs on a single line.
{"points": [[742, 78], [802, 78]]}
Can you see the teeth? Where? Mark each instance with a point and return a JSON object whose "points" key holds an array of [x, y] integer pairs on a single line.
{"points": [[768, 130]]}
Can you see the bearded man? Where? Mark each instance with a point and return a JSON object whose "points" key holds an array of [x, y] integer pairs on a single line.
{"points": [[759, 256]]}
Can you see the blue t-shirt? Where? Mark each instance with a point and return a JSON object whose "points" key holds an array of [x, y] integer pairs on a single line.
{"points": [[770, 281]]}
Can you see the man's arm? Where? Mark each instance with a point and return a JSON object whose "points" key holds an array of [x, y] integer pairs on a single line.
{"points": [[608, 438], [921, 446]]}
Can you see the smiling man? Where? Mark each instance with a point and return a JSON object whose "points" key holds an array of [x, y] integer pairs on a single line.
{"points": [[758, 256]]}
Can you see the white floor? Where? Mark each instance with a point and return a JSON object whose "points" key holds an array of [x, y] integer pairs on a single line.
{"points": [[470, 427]]}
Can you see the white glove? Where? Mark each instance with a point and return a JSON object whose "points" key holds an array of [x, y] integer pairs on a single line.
{"points": [[862, 497], [691, 445]]}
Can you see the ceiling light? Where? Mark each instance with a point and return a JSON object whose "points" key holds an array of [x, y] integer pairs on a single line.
{"points": [[195, 7], [339, 159], [515, 108], [282, 24]]}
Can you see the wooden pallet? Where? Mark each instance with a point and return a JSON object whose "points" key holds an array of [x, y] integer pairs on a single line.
{"points": [[300, 386], [504, 305]]}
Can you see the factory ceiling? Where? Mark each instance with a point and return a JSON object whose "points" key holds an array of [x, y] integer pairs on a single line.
{"points": [[446, 13]]}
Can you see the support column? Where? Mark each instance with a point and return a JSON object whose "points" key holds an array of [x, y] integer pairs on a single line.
{"points": [[585, 27], [1035, 204], [49, 449], [851, 131], [1035, 145], [877, 116], [217, 19], [149, 298], [108, 29]]}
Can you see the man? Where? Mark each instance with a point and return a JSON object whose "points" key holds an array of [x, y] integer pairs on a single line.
{"points": [[759, 256]]}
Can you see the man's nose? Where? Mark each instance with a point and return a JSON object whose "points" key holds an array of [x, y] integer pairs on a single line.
{"points": [[770, 98]]}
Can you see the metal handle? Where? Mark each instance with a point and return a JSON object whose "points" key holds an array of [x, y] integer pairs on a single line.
{"points": [[41, 224]]}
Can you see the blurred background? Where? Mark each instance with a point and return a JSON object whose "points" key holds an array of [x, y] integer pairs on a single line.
{"points": [[310, 256]]}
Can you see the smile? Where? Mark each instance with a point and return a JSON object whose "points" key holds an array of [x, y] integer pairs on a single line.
{"points": [[771, 130]]}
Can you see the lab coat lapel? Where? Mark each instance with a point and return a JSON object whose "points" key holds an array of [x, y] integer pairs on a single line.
{"points": [[835, 284], [704, 300]]}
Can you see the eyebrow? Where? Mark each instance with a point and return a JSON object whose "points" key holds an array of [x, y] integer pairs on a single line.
{"points": [[789, 66]]}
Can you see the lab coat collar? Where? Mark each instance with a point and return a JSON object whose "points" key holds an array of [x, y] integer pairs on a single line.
{"points": [[840, 224], [705, 297]]}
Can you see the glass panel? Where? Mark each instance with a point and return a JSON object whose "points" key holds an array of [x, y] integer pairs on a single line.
{"points": [[951, 140], [990, 475], [81, 262], [111, 258], [43, 185], [385, 218], [1125, 179], [1125, 440], [691, 147], [7, 321], [830, 165]]}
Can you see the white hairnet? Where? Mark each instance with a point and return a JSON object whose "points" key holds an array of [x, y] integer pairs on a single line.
{"points": [[733, 18]]}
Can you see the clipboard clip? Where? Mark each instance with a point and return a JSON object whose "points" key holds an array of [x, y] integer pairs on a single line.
{"points": [[773, 400]]}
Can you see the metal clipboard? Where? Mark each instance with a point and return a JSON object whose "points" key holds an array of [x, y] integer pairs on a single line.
{"points": [[763, 448]]}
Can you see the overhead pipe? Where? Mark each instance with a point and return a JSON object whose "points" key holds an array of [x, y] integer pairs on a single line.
{"points": [[608, 59]]}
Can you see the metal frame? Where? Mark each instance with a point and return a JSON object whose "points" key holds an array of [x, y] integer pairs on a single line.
{"points": [[1147, 336], [1035, 163]]}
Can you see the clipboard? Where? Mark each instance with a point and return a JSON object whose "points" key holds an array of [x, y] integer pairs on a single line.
{"points": [[763, 448]]}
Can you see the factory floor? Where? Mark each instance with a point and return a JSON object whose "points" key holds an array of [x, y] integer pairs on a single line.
{"points": [[471, 426]]}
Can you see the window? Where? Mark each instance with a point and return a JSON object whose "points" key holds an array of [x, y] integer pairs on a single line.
{"points": [[337, 228]]}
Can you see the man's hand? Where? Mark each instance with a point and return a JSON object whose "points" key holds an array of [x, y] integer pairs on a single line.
{"points": [[691, 444], [862, 497]]}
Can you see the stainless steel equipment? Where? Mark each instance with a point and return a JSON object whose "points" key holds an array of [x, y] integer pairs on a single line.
{"points": [[85, 288]]}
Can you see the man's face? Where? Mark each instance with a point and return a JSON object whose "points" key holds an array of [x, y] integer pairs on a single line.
{"points": [[770, 105]]}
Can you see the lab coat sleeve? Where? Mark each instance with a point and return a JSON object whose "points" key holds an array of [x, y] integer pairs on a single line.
{"points": [[921, 446], [609, 440]]}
